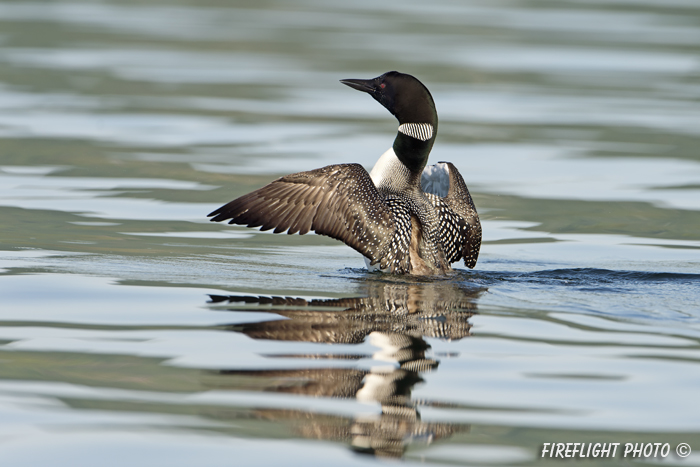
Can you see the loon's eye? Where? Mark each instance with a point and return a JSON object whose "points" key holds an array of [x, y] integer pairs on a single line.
{"points": [[382, 85]]}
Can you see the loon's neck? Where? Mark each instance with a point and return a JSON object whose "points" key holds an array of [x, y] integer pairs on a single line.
{"points": [[413, 144]]}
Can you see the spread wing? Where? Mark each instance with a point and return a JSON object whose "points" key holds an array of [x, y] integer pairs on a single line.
{"points": [[339, 201], [460, 229]]}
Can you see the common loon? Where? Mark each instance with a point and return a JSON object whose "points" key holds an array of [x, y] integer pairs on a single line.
{"points": [[403, 217]]}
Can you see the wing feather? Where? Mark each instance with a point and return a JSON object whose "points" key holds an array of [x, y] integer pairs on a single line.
{"points": [[459, 221], [339, 201]]}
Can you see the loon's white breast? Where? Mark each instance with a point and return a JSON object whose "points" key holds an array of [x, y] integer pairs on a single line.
{"points": [[386, 170]]}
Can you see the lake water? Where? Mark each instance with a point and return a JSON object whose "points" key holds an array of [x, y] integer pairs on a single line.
{"points": [[135, 332]]}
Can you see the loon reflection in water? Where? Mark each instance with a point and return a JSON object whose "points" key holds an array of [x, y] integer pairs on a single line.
{"points": [[395, 318]]}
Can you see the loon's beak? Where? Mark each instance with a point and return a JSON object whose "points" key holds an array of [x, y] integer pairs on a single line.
{"points": [[364, 85]]}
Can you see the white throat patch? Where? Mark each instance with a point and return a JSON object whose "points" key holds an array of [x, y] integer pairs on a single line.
{"points": [[421, 131]]}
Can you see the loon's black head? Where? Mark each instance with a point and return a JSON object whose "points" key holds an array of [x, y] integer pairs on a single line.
{"points": [[403, 95], [412, 105]]}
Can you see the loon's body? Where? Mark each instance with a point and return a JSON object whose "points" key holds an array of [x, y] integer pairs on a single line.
{"points": [[403, 217]]}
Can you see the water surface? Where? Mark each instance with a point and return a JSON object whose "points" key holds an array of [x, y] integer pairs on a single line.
{"points": [[135, 332]]}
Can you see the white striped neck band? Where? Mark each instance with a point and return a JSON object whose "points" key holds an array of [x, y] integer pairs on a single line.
{"points": [[421, 131]]}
